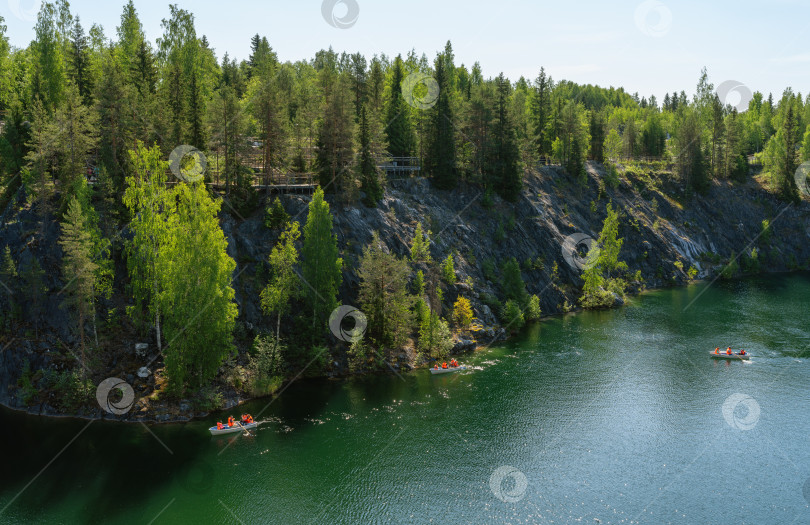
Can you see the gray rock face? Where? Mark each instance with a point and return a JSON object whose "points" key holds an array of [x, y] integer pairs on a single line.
{"points": [[657, 232]]}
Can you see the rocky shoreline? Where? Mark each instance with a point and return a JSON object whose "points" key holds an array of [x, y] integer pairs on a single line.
{"points": [[664, 239]]}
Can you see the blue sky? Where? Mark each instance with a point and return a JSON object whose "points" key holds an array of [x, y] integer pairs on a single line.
{"points": [[650, 46]]}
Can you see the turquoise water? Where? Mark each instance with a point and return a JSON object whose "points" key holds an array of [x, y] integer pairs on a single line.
{"points": [[619, 416]]}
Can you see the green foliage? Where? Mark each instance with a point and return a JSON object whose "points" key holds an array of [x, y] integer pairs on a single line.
{"points": [[533, 311], [207, 399], [600, 284], [420, 246], [462, 313], [419, 284], [383, 295], [502, 164], [765, 233], [78, 268], [489, 269], [421, 311], [196, 297], [487, 201], [358, 355], [266, 365], [399, 132], [321, 265], [692, 273], [283, 285], [440, 158], [731, 268], [512, 316], [369, 178], [448, 270], [276, 216], [72, 390], [750, 262], [27, 385], [435, 339], [512, 284]]}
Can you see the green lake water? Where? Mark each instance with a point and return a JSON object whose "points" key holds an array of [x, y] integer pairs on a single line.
{"points": [[618, 416]]}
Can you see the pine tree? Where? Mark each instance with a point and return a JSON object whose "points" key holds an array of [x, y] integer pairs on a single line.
{"points": [[512, 283], [369, 178], [227, 118], [47, 60], [78, 269], [384, 295], [540, 111], [8, 280], [399, 131], [597, 130], [440, 158], [73, 133], [335, 143], [268, 110], [321, 265], [114, 107], [79, 61], [690, 160], [780, 154], [420, 246], [34, 289], [282, 287], [502, 170], [717, 135], [448, 270]]}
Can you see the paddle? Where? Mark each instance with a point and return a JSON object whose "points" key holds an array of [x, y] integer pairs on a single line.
{"points": [[243, 428]]}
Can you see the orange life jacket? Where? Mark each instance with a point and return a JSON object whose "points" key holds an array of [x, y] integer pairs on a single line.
{"points": [[444, 365], [219, 425]]}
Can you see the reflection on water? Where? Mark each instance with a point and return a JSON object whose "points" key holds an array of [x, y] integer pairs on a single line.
{"points": [[616, 416]]}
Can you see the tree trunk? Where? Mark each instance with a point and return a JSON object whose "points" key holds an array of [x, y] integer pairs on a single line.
{"points": [[157, 329]]}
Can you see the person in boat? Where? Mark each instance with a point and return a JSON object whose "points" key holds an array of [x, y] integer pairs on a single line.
{"points": [[742, 352], [728, 351], [444, 365], [230, 421], [717, 350], [219, 425], [436, 366]]}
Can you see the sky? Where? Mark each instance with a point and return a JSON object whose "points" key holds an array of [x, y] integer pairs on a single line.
{"points": [[649, 46]]}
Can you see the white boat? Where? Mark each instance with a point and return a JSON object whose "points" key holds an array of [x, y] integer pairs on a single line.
{"points": [[441, 370], [241, 427], [724, 355]]}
